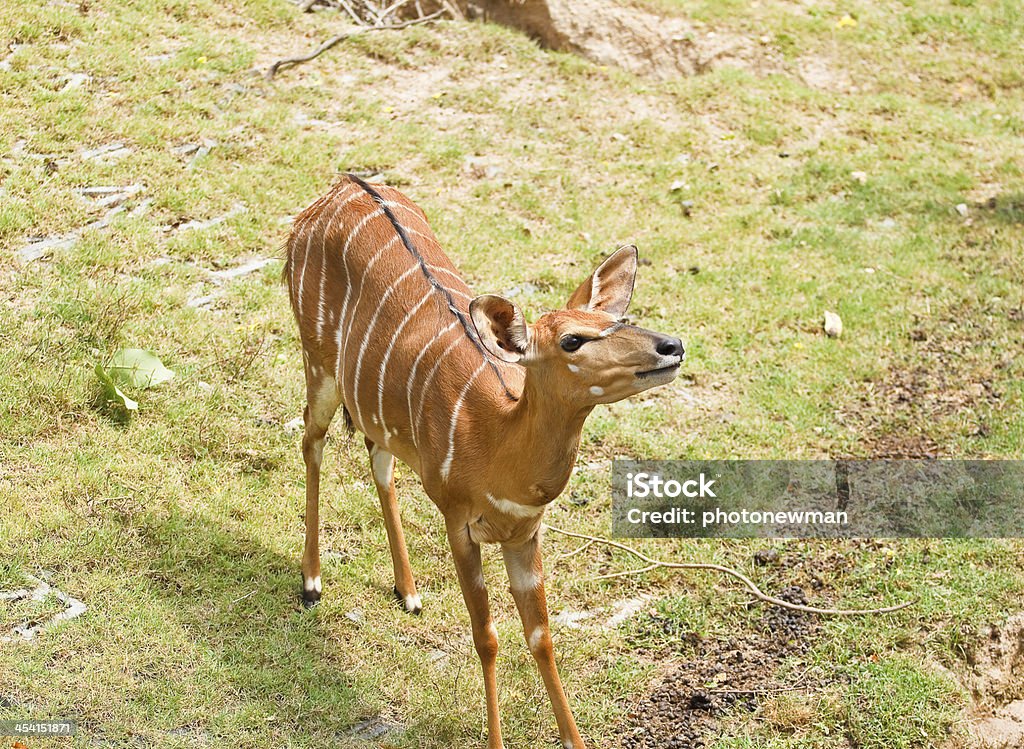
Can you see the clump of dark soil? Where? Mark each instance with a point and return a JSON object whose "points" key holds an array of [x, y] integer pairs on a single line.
{"points": [[684, 707], [947, 382]]}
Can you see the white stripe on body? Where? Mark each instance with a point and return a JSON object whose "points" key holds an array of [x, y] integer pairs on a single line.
{"points": [[342, 347], [344, 254], [412, 375], [430, 379], [366, 341], [381, 372], [305, 257], [294, 280], [435, 268], [323, 262], [438, 269], [446, 466]]}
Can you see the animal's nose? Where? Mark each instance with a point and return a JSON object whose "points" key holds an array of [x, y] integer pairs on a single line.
{"points": [[670, 347]]}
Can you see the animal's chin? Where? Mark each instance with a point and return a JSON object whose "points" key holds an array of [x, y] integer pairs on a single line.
{"points": [[659, 375]]}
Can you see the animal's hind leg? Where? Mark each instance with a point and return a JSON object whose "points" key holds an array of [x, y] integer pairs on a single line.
{"points": [[322, 401], [383, 464]]}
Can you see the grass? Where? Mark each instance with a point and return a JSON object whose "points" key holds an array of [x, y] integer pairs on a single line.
{"points": [[181, 526]]}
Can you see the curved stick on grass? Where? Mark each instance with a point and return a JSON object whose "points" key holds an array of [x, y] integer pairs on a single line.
{"points": [[289, 62], [751, 586]]}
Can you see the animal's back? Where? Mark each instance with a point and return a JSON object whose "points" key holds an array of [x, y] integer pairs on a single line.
{"points": [[382, 311]]}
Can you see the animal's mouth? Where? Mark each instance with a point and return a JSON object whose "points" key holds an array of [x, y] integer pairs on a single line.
{"points": [[660, 370]]}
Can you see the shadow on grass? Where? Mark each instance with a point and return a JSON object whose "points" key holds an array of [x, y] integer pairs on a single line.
{"points": [[1007, 208], [278, 672]]}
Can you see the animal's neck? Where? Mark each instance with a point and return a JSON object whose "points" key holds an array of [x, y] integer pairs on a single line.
{"points": [[542, 435]]}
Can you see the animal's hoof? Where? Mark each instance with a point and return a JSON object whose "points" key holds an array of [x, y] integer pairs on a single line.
{"points": [[410, 603], [310, 592]]}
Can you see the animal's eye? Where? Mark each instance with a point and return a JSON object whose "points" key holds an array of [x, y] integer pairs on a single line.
{"points": [[571, 342]]}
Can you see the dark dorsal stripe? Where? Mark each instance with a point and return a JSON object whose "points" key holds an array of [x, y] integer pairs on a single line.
{"points": [[432, 280]]}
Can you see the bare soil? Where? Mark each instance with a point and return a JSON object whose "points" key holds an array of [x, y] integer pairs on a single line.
{"points": [[995, 682], [683, 708], [630, 37]]}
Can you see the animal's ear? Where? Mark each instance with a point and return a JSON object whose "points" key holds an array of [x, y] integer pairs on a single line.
{"points": [[501, 326], [610, 287]]}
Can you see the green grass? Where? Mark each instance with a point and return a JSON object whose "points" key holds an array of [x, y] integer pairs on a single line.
{"points": [[181, 527]]}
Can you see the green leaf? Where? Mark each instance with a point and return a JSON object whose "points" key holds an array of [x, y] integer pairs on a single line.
{"points": [[113, 392], [138, 368]]}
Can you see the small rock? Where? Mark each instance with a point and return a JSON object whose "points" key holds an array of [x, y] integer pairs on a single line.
{"points": [[75, 80], [961, 208], [833, 325], [202, 302], [41, 248], [109, 152], [200, 225], [679, 184], [108, 196], [859, 177], [244, 269], [525, 289], [294, 425]]}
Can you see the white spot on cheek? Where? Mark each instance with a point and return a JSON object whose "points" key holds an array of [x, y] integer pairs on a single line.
{"points": [[313, 584], [573, 368], [596, 390], [536, 637]]}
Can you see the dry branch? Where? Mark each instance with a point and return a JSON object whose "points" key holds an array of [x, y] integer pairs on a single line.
{"points": [[758, 594], [361, 28]]}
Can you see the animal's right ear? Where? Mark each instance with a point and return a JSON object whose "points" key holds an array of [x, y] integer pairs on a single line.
{"points": [[501, 326], [610, 287]]}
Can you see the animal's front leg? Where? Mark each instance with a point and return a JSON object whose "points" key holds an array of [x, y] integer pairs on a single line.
{"points": [[525, 574], [466, 554]]}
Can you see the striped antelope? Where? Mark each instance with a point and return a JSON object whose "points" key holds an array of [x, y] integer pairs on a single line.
{"points": [[485, 408]]}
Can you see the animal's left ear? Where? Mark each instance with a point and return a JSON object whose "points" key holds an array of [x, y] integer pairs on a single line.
{"points": [[501, 326], [610, 287]]}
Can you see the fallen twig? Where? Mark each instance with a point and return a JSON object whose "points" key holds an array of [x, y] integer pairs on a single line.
{"points": [[758, 594], [293, 61], [583, 547]]}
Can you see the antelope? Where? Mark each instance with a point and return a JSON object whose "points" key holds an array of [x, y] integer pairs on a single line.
{"points": [[484, 407]]}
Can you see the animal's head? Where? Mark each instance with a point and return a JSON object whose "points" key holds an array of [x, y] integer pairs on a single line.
{"points": [[585, 353]]}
